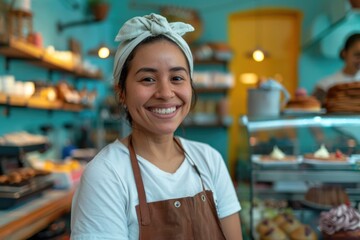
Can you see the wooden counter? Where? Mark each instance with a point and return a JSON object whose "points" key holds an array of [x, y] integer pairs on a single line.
{"points": [[31, 217]]}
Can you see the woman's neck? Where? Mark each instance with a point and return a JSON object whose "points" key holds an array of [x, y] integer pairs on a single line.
{"points": [[162, 151], [349, 71]]}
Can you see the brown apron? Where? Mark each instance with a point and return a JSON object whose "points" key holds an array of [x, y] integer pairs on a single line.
{"points": [[188, 218]]}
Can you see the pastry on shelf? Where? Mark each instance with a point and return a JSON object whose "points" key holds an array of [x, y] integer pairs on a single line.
{"points": [[303, 103], [282, 217], [277, 155], [304, 232], [340, 223], [264, 226], [322, 154], [274, 233], [289, 225]]}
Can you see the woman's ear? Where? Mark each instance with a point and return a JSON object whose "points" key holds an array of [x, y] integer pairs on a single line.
{"points": [[342, 54], [122, 98]]}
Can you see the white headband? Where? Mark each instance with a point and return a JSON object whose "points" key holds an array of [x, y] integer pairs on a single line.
{"points": [[135, 30]]}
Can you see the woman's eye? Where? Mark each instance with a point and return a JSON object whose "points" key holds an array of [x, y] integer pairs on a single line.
{"points": [[177, 78], [148, 79]]}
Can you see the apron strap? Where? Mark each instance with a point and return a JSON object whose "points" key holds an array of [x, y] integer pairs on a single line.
{"points": [[192, 163], [144, 209]]}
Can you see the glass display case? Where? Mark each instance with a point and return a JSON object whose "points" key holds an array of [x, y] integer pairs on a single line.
{"points": [[301, 166]]}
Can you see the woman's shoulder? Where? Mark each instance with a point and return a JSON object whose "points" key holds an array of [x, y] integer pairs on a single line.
{"points": [[200, 151], [193, 145], [114, 156]]}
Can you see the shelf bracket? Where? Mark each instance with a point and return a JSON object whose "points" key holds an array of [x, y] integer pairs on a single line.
{"points": [[7, 107], [63, 26], [50, 74], [7, 64]]}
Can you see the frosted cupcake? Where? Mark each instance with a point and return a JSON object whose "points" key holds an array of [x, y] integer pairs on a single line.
{"points": [[342, 222]]}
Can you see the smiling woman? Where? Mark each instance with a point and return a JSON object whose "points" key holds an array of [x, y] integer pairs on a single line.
{"points": [[184, 184]]}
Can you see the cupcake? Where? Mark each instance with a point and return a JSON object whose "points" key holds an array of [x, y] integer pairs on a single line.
{"points": [[302, 101], [273, 233], [264, 226], [289, 225], [342, 222], [282, 217]]}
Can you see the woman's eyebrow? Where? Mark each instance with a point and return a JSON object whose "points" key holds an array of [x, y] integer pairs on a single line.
{"points": [[175, 69], [148, 69]]}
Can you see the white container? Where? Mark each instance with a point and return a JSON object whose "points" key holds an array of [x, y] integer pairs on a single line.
{"points": [[8, 84], [24, 5], [263, 102], [29, 89]]}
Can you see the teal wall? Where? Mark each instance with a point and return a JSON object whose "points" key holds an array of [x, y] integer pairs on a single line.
{"points": [[313, 63]]}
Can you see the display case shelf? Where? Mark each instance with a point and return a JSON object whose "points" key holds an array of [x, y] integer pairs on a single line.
{"points": [[259, 124]]}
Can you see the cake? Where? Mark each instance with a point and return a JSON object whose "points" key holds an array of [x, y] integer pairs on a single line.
{"points": [[323, 154], [327, 196], [303, 232], [344, 98], [303, 102], [277, 155], [340, 223]]}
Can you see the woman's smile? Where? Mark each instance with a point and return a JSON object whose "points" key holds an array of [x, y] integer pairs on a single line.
{"points": [[163, 111]]}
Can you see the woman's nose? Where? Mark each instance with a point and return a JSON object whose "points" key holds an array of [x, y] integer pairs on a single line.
{"points": [[165, 90]]}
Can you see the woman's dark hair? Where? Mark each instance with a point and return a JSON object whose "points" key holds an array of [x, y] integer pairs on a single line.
{"points": [[350, 41], [125, 70]]}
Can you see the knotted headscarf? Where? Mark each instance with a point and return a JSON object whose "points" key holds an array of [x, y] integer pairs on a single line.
{"points": [[135, 30]]}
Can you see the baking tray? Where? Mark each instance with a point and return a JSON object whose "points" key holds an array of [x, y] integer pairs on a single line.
{"points": [[13, 195], [7, 150]]}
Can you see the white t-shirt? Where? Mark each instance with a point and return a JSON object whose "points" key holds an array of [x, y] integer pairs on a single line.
{"points": [[104, 204], [336, 78]]}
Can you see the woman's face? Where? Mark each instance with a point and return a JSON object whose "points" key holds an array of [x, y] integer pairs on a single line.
{"points": [[158, 88], [352, 58]]}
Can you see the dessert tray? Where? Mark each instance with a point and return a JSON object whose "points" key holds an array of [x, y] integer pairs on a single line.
{"points": [[12, 195], [257, 159]]}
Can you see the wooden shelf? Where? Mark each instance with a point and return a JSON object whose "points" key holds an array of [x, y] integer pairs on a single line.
{"points": [[20, 49], [34, 103], [17, 49]]}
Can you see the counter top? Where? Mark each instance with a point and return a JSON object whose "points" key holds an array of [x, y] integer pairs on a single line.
{"points": [[23, 221]]}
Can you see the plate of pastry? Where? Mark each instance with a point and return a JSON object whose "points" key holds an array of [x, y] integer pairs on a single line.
{"points": [[276, 158], [323, 157]]}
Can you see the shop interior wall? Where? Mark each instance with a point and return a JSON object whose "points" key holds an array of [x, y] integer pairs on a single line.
{"points": [[313, 63]]}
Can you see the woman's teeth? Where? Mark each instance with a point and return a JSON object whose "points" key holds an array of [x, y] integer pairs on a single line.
{"points": [[164, 110]]}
